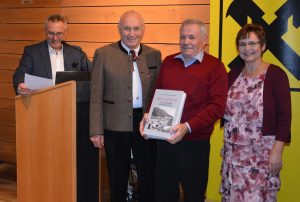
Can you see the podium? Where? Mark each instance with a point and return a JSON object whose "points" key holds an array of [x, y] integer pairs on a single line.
{"points": [[55, 159]]}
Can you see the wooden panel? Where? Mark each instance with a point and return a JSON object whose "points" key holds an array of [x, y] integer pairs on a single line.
{"points": [[154, 33], [21, 32], [89, 32], [9, 62], [14, 47], [90, 48], [8, 151], [165, 14], [46, 145], [46, 3], [16, 3], [131, 2], [17, 47], [6, 75], [7, 117], [6, 103], [7, 90], [8, 133]]}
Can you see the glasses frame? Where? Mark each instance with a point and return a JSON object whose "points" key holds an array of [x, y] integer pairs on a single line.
{"points": [[53, 34], [251, 44]]}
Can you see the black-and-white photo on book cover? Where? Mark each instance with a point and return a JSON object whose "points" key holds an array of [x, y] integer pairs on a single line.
{"points": [[165, 112]]}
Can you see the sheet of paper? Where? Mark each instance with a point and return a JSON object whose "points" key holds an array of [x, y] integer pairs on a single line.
{"points": [[36, 82]]}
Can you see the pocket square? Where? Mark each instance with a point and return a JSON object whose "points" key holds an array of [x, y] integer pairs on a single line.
{"points": [[152, 67]]}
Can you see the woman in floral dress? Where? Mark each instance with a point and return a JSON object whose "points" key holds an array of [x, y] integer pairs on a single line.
{"points": [[257, 123]]}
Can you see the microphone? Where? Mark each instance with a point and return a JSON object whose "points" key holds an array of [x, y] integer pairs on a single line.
{"points": [[75, 64]]}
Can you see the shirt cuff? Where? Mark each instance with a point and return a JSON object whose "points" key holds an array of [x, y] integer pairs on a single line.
{"points": [[188, 125]]}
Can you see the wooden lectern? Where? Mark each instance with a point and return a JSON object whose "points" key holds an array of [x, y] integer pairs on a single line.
{"points": [[55, 159]]}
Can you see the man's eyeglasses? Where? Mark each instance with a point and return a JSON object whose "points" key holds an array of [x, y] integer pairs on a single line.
{"points": [[58, 34], [252, 44]]}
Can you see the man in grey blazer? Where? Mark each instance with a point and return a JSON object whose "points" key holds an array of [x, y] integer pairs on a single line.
{"points": [[122, 83], [45, 58]]}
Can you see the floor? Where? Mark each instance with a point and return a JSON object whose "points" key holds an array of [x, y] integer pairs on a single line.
{"points": [[8, 185]]}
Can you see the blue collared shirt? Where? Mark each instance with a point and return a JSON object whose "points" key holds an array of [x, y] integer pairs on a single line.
{"points": [[198, 57]]}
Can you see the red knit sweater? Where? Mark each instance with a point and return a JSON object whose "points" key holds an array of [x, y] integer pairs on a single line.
{"points": [[205, 84]]}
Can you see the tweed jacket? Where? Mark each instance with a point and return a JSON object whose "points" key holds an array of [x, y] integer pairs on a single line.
{"points": [[111, 86], [36, 61]]}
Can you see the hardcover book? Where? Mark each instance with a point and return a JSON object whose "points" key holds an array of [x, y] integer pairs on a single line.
{"points": [[165, 112]]}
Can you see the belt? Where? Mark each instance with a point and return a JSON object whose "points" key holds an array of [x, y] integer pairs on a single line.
{"points": [[137, 110]]}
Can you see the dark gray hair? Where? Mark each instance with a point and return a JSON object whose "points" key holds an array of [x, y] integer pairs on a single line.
{"points": [[56, 18]]}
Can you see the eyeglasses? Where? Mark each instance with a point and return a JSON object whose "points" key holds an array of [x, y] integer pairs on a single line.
{"points": [[58, 34], [135, 29], [191, 37], [252, 44]]}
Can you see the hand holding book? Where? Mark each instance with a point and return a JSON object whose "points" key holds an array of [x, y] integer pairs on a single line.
{"points": [[142, 125], [179, 131]]}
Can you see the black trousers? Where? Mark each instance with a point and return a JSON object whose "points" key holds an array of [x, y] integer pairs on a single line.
{"points": [[187, 163], [118, 146]]}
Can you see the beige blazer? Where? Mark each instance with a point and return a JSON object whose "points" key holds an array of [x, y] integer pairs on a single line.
{"points": [[111, 86]]}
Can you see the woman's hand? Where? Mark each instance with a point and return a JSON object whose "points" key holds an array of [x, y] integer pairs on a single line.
{"points": [[275, 159]]}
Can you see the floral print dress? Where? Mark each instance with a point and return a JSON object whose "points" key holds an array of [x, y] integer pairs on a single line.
{"points": [[246, 152]]}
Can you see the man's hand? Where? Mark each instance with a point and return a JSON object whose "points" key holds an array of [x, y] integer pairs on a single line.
{"points": [[179, 132], [98, 141], [23, 89], [142, 125]]}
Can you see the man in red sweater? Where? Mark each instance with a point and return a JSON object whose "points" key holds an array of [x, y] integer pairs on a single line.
{"points": [[184, 158]]}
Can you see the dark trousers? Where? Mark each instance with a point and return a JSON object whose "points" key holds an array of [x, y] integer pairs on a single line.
{"points": [[187, 163], [118, 147]]}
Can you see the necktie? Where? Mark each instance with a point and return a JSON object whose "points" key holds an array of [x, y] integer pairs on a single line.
{"points": [[134, 57]]}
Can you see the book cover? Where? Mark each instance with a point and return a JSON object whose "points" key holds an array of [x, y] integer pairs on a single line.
{"points": [[165, 112]]}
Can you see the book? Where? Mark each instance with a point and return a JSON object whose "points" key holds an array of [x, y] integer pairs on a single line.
{"points": [[165, 112]]}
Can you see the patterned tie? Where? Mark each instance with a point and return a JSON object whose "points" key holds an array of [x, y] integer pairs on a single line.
{"points": [[134, 57]]}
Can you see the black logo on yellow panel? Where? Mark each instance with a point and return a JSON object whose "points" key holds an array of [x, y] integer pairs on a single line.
{"points": [[286, 21]]}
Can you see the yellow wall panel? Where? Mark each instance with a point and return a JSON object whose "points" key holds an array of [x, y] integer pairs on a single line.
{"points": [[290, 178]]}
